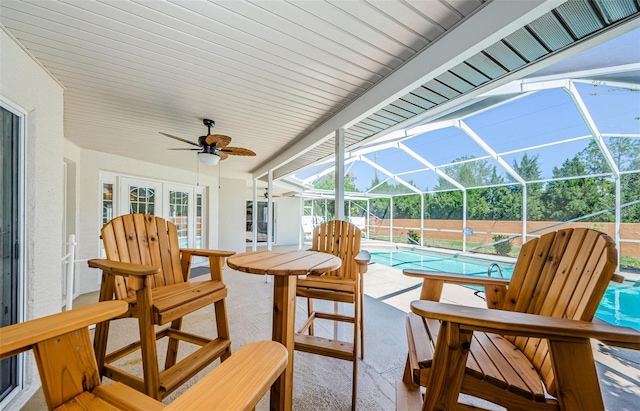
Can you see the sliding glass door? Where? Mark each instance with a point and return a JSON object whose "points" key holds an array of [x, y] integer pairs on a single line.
{"points": [[9, 239]]}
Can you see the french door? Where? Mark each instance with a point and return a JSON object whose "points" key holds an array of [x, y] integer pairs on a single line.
{"points": [[183, 205]]}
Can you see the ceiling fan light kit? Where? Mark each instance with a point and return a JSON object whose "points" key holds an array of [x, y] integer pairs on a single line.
{"points": [[212, 147], [209, 159]]}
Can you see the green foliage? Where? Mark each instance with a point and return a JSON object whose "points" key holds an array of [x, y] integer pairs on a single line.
{"points": [[503, 247], [444, 206], [406, 206], [469, 173], [568, 199], [328, 182], [413, 236]]}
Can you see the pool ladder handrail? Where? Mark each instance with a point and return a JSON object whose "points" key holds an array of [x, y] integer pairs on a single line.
{"points": [[490, 269]]}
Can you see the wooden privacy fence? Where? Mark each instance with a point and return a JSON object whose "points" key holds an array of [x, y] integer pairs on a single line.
{"points": [[628, 231]]}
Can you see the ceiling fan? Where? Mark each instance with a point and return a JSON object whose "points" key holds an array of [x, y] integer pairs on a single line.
{"points": [[212, 147], [266, 194]]}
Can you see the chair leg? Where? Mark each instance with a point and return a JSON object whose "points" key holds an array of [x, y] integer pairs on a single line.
{"points": [[309, 311], [172, 346], [354, 388], [222, 325], [361, 295], [357, 336], [102, 329], [407, 375], [100, 344], [148, 347]]}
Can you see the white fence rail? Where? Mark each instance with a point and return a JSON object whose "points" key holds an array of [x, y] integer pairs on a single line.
{"points": [[68, 268]]}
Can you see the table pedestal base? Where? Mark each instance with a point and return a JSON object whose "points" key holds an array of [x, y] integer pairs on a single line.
{"points": [[284, 310]]}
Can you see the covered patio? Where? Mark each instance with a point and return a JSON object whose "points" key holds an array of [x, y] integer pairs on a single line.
{"points": [[321, 91]]}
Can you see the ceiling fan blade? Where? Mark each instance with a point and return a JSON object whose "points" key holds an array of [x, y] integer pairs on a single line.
{"points": [[220, 140], [238, 151], [222, 155], [188, 149], [180, 139]]}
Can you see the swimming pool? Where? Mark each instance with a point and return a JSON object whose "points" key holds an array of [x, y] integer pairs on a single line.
{"points": [[620, 304]]}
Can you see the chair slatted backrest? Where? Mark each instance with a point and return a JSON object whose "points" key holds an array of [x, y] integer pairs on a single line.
{"points": [[341, 239], [143, 239], [561, 274]]}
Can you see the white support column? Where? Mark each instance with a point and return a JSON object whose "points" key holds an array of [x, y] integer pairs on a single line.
{"points": [[339, 175], [326, 210], [464, 221], [391, 219], [422, 220], [270, 211], [524, 213], [618, 215], [368, 220], [254, 217], [301, 231]]}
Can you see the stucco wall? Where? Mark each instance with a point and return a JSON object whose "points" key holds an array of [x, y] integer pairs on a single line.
{"points": [[288, 220], [25, 84]]}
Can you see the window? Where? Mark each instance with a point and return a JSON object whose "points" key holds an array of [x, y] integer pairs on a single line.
{"points": [[107, 202], [179, 215], [199, 235], [142, 200]]}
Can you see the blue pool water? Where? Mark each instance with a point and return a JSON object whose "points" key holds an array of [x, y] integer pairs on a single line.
{"points": [[620, 304]]}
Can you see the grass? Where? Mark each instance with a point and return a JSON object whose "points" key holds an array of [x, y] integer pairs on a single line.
{"points": [[447, 244], [630, 264]]}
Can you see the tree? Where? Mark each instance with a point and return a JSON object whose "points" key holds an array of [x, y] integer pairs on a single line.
{"points": [[630, 192], [529, 169], [469, 174], [576, 197], [406, 206], [444, 206], [328, 182]]}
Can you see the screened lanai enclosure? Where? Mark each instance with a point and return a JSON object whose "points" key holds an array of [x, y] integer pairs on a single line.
{"points": [[559, 148]]}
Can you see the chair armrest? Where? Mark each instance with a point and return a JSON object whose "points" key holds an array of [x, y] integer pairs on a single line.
{"points": [[362, 259], [239, 382], [526, 325], [617, 278], [207, 253], [120, 268], [17, 338], [455, 278]]}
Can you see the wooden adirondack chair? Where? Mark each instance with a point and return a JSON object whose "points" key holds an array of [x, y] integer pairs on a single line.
{"points": [[61, 344], [146, 268], [535, 337], [344, 285]]}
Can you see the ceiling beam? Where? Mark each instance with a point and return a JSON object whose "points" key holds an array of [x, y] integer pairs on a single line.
{"points": [[486, 26]]}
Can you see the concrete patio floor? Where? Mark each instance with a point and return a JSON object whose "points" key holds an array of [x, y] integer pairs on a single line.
{"points": [[325, 384]]}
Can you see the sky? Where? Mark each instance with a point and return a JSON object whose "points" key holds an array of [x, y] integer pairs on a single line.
{"points": [[538, 118]]}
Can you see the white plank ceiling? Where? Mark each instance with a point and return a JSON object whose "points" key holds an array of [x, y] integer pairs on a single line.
{"points": [[267, 72], [271, 73]]}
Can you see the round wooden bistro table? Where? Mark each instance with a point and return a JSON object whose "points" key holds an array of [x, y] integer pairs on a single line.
{"points": [[285, 266]]}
